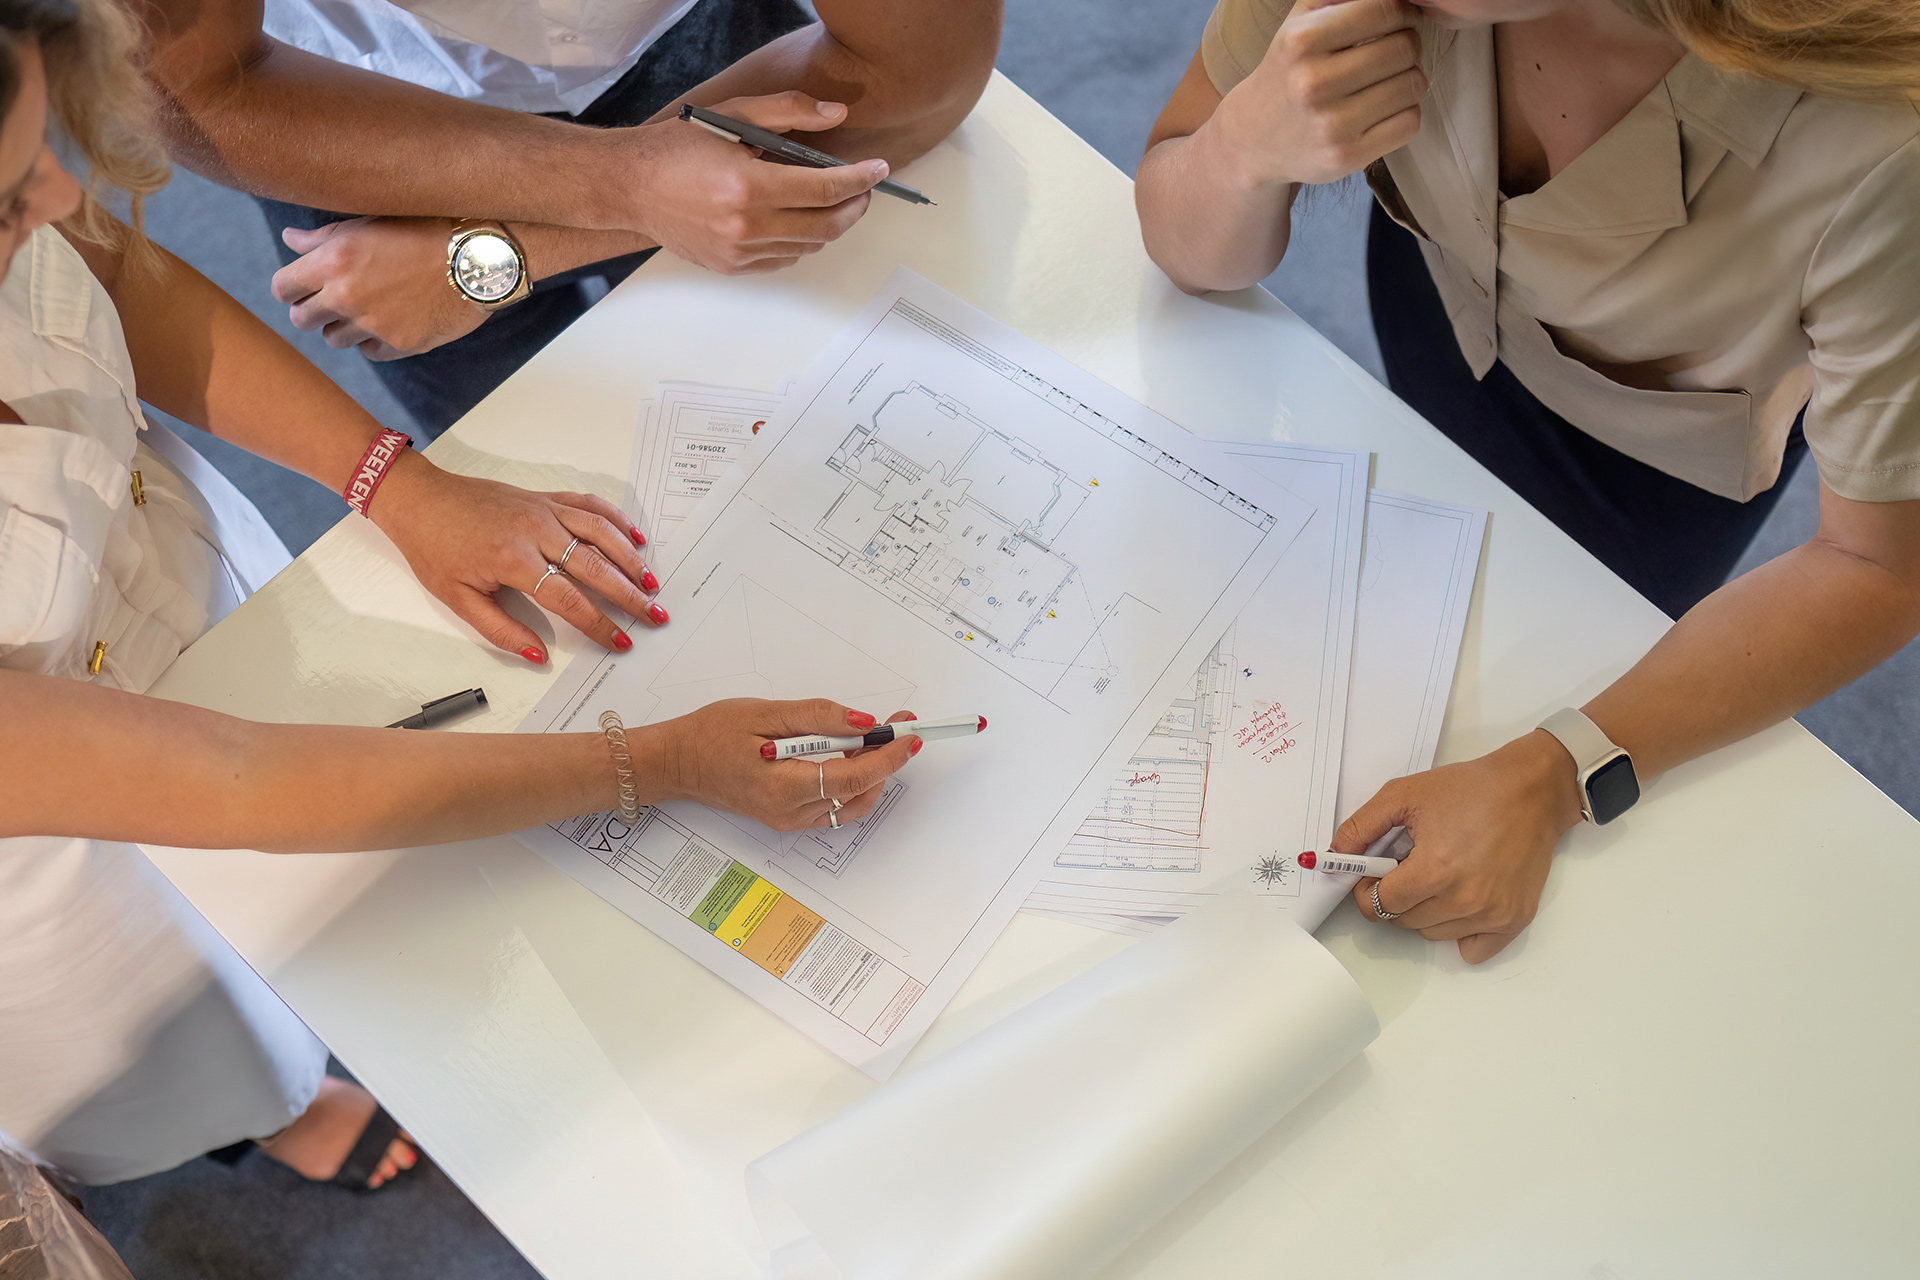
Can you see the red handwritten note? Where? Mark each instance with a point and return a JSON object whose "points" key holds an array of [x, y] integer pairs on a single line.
{"points": [[1265, 733]]}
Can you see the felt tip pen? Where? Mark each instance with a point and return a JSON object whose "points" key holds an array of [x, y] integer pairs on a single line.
{"points": [[1382, 856], [441, 710], [878, 736], [785, 148]]}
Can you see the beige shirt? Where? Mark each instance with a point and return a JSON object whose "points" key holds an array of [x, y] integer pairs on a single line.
{"points": [[1732, 250]]}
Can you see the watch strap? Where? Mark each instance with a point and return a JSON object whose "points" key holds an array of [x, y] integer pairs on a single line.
{"points": [[1580, 736]]}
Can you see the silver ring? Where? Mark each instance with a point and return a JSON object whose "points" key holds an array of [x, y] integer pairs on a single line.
{"points": [[838, 805], [571, 548], [833, 816], [823, 778], [1378, 910], [551, 570]]}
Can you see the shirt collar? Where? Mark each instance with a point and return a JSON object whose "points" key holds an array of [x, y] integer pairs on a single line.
{"points": [[1633, 180]]}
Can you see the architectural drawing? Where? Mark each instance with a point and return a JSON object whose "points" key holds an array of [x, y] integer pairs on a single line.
{"points": [[832, 848], [957, 520], [1153, 817]]}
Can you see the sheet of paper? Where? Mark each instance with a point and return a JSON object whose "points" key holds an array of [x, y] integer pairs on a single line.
{"points": [[1242, 771], [1043, 1146], [691, 434], [1416, 583], [948, 518]]}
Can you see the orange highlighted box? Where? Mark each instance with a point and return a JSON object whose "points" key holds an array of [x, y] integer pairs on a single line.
{"points": [[780, 936]]}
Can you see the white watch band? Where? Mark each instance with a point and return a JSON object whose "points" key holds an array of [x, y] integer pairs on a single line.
{"points": [[1581, 737]]}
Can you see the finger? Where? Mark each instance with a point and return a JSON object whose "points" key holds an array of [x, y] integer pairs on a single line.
{"points": [[1484, 946], [895, 718], [1386, 809], [481, 612], [298, 280], [856, 809], [601, 507], [307, 239], [1392, 133], [611, 537], [312, 312], [374, 349], [1387, 99], [1348, 71], [822, 716], [342, 334], [1345, 23], [589, 565], [794, 230], [781, 112], [856, 775], [1396, 899], [557, 593], [764, 266], [798, 188]]}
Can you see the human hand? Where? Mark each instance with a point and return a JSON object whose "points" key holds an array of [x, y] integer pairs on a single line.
{"points": [[1483, 837], [713, 756], [714, 203], [379, 284], [1339, 87], [466, 538]]}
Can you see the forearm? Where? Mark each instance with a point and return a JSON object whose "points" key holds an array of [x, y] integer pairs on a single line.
{"points": [[202, 357], [1205, 224], [284, 123], [1758, 650], [907, 79], [553, 249]]}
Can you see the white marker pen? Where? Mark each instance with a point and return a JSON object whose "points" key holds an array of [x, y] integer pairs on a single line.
{"points": [[1382, 856], [878, 736]]}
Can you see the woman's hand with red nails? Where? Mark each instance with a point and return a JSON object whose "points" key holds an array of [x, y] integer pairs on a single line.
{"points": [[466, 538], [713, 756]]}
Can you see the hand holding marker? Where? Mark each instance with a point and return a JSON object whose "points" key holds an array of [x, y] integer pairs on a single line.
{"points": [[878, 736], [1382, 856], [785, 148]]}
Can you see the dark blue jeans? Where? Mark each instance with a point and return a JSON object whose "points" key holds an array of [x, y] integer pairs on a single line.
{"points": [[437, 387], [1672, 542]]}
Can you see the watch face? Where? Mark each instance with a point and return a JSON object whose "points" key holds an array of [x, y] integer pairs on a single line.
{"points": [[486, 267], [1612, 789]]}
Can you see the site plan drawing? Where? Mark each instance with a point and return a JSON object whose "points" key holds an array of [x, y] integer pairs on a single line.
{"points": [[1244, 765], [1414, 584], [944, 518]]}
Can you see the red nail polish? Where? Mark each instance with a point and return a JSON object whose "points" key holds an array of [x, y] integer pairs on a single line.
{"points": [[859, 719], [648, 582], [622, 641], [658, 614], [533, 656], [639, 538], [914, 750], [768, 751]]}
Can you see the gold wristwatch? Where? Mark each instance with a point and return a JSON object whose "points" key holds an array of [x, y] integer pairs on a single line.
{"points": [[486, 265]]}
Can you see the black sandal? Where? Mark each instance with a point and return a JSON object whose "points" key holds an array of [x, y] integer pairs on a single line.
{"points": [[371, 1148]]}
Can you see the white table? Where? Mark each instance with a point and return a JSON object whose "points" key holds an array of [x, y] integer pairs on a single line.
{"points": [[1684, 1069]]}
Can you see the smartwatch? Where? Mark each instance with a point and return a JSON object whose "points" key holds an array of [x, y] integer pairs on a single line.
{"points": [[1608, 785], [486, 266]]}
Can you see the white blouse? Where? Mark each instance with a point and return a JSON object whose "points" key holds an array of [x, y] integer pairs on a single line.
{"points": [[131, 1037]]}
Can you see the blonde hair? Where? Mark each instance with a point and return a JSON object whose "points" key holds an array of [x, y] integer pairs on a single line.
{"points": [[1867, 49], [99, 101]]}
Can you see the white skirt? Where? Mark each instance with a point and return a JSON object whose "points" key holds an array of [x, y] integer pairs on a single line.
{"points": [[132, 1037]]}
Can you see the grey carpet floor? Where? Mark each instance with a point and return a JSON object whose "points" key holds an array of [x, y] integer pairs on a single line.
{"points": [[1104, 67]]}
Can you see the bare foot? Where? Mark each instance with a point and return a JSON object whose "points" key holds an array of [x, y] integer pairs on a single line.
{"points": [[319, 1142]]}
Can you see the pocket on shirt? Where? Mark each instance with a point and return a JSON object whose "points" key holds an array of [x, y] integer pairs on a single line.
{"points": [[49, 581], [1701, 437]]}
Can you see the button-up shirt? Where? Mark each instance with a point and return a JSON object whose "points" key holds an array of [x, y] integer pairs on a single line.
{"points": [[1729, 252], [525, 55]]}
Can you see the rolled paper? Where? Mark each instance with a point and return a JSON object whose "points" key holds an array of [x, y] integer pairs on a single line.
{"points": [[1043, 1146]]}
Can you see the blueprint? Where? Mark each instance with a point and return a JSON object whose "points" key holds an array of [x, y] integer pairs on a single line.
{"points": [[1242, 769], [690, 435], [1414, 585], [944, 518]]}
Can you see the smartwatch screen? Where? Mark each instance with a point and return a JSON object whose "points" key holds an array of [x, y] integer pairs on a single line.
{"points": [[1612, 789]]}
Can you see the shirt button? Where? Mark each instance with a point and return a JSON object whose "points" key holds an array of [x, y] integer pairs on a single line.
{"points": [[569, 38], [99, 656]]}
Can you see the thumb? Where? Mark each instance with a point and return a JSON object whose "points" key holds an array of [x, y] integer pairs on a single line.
{"points": [[782, 112], [481, 612], [1370, 821], [307, 239]]}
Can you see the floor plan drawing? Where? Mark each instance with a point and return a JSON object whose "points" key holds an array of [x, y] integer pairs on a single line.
{"points": [[832, 848], [957, 520], [1154, 815]]}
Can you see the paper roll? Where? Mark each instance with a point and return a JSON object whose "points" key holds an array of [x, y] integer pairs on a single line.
{"points": [[1043, 1146]]}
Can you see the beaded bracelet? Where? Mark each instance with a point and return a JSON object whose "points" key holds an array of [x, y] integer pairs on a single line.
{"points": [[622, 765]]}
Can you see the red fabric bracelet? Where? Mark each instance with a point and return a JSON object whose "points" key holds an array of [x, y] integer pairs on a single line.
{"points": [[373, 468]]}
